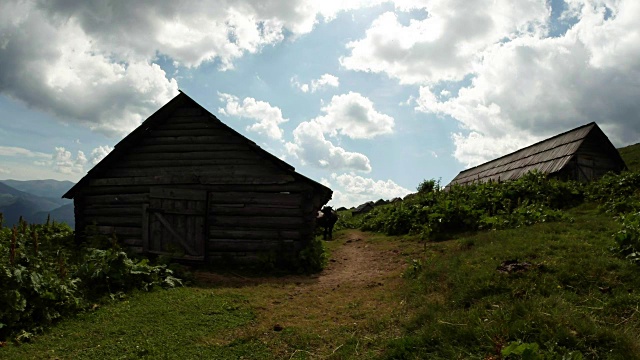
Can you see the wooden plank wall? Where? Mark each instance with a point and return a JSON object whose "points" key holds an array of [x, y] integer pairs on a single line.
{"points": [[593, 160], [253, 205]]}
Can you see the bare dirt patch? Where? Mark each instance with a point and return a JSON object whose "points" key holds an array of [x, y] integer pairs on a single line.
{"points": [[356, 298]]}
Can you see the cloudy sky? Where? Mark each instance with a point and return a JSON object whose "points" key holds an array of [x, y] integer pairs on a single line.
{"points": [[368, 97]]}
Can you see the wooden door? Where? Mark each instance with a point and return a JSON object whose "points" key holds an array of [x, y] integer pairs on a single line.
{"points": [[175, 223]]}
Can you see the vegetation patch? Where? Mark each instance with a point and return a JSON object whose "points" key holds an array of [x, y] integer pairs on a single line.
{"points": [[573, 299], [149, 325], [45, 276]]}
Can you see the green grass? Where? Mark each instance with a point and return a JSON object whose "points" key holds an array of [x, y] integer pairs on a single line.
{"points": [[171, 324], [631, 155], [576, 297]]}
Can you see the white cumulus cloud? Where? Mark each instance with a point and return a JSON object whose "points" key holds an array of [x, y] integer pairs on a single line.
{"points": [[447, 44], [311, 147], [352, 190], [95, 63], [100, 153], [65, 163], [326, 80], [354, 115], [268, 118], [351, 115], [534, 87]]}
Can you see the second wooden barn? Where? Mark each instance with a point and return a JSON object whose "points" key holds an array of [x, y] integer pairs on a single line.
{"points": [[584, 154], [185, 185]]}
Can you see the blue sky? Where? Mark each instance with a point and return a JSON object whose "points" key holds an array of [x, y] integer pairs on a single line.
{"points": [[368, 97]]}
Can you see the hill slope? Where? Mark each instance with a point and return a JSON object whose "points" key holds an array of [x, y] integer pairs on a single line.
{"points": [[45, 188], [631, 155], [15, 203], [63, 214]]}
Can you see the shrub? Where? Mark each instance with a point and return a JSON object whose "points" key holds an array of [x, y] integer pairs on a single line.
{"points": [[44, 276], [435, 214], [427, 186], [628, 238], [313, 258]]}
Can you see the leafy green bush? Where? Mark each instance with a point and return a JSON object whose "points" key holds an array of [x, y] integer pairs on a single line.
{"points": [[111, 271], [313, 258], [44, 276], [524, 215], [435, 214], [618, 194], [427, 186], [628, 238]]}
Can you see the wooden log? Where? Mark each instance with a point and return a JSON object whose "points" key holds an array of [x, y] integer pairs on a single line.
{"points": [[187, 148], [216, 232], [177, 211], [195, 139], [249, 210], [207, 171], [106, 210], [293, 187], [187, 111], [119, 230], [261, 198], [202, 119], [257, 221], [223, 245], [190, 179], [200, 155], [113, 190], [178, 194], [124, 221], [181, 163], [115, 199], [209, 131], [194, 123], [113, 221]]}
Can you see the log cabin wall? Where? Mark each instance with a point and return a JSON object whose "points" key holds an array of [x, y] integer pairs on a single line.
{"points": [[593, 160], [190, 174]]}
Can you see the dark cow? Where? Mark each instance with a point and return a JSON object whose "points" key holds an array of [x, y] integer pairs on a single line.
{"points": [[327, 217]]}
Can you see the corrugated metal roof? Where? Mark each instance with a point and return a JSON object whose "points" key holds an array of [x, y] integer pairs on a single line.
{"points": [[547, 156]]}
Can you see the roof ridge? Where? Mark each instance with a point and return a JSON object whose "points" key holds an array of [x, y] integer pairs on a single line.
{"points": [[537, 143]]}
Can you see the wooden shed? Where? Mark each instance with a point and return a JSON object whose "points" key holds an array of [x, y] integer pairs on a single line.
{"points": [[584, 154], [184, 184]]}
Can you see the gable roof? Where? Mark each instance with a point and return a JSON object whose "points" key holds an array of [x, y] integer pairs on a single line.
{"points": [[547, 156], [129, 141]]}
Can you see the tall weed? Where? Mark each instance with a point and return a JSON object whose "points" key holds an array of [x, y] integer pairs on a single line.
{"points": [[44, 276]]}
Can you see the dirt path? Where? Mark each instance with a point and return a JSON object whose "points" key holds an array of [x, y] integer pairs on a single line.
{"points": [[358, 263], [355, 297], [354, 260]]}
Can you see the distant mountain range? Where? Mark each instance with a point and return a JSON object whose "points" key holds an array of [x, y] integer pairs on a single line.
{"points": [[34, 200]]}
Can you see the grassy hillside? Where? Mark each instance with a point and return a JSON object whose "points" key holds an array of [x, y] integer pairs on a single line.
{"points": [[631, 155], [552, 288]]}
